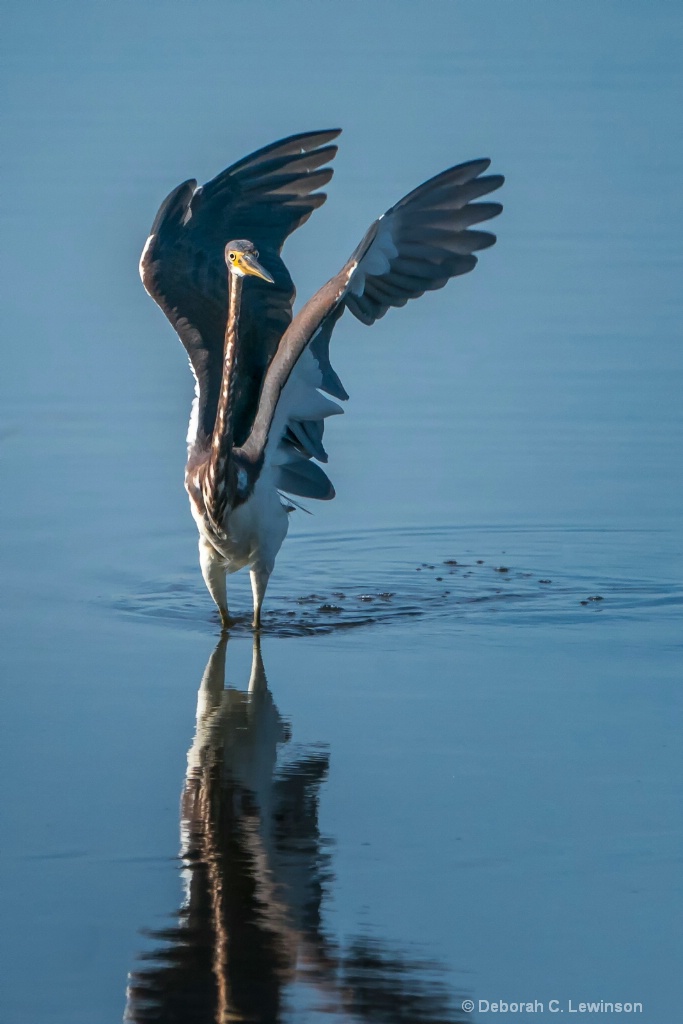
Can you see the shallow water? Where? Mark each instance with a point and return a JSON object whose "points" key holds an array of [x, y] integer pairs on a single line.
{"points": [[449, 591], [452, 768]]}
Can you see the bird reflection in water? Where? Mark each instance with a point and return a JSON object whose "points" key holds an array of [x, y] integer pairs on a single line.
{"points": [[256, 870]]}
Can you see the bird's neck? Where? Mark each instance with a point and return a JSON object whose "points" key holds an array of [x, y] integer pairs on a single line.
{"points": [[220, 480]]}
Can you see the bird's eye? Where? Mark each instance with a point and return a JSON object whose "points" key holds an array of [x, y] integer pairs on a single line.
{"points": [[255, 253], [231, 257]]}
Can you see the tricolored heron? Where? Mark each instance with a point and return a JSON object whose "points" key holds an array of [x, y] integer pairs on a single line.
{"points": [[212, 263]]}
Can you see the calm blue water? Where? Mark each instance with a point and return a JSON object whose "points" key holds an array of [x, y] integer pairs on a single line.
{"points": [[452, 771]]}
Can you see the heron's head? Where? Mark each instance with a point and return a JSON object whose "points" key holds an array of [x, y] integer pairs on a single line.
{"points": [[241, 258]]}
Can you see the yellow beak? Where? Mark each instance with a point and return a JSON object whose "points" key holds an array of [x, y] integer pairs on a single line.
{"points": [[248, 264]]}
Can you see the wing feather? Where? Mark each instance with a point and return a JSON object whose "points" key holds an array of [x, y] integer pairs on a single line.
{"points": [[416, 246], [263, 197]]}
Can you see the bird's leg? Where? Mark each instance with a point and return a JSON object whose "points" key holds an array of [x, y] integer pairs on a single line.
{"points": [[214, 577], [259, 582]]}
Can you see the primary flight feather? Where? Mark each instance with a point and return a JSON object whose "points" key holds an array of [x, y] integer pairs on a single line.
{"points": [[212, 262]]}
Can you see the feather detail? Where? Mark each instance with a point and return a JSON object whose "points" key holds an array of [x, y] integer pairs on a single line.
{"points": [[263, 197], [416, 246]]}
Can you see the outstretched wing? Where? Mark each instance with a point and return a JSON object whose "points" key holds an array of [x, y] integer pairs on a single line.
{"points": [[416, 246], [263, 198]]}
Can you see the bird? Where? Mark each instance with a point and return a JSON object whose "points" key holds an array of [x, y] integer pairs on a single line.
{"points": [[264, 383]]}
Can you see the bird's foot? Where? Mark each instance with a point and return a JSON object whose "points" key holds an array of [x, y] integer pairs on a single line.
{"points": [[227, 621]]}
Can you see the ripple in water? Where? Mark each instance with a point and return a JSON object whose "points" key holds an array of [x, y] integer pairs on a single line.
{"points": [[372, 579]]}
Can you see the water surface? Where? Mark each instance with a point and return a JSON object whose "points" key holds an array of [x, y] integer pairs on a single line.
{"points": [[451, 770]]}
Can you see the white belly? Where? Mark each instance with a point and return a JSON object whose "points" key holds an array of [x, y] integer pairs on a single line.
{"points": [[255, 530]]}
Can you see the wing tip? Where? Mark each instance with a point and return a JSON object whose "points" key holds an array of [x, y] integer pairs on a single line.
{"points": [[175, 202], [485, 240], [331, 133], [494, 209], [494, 181]]}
